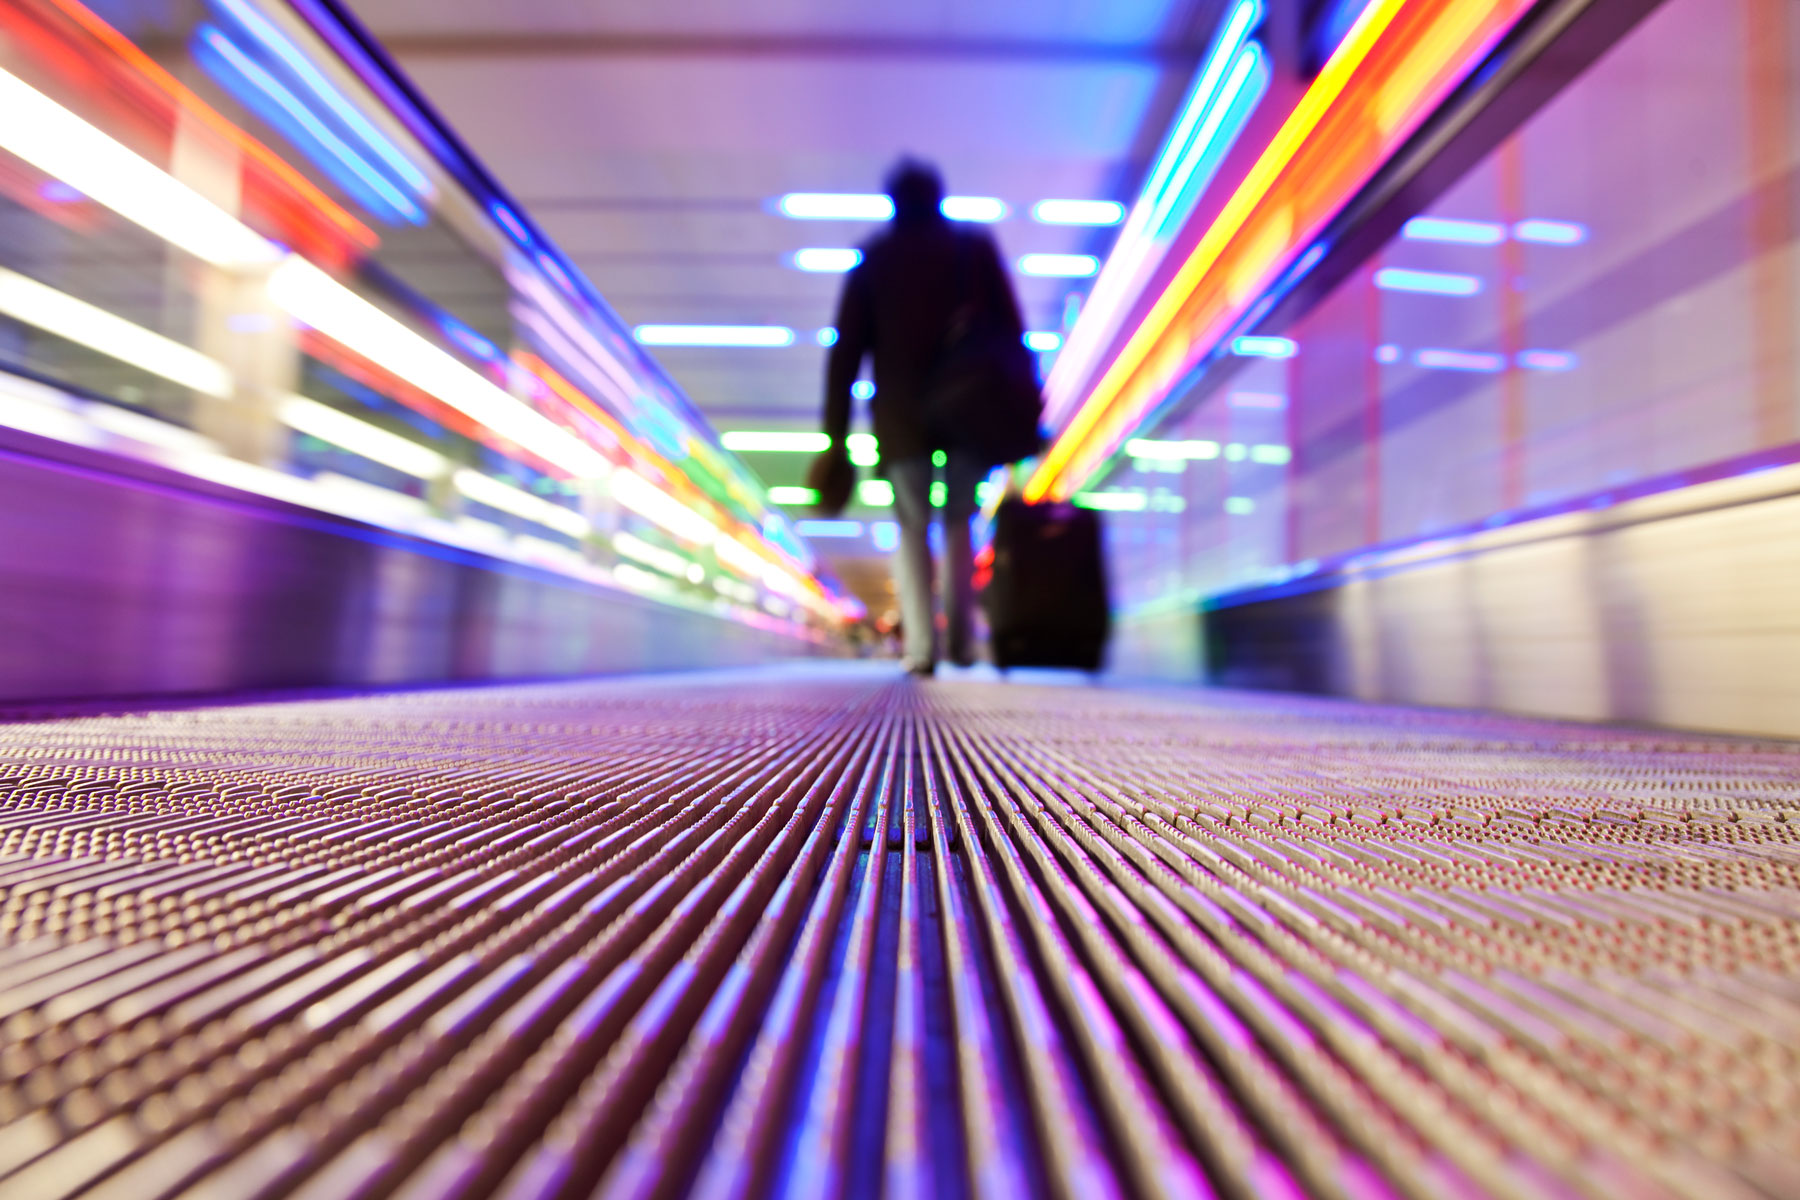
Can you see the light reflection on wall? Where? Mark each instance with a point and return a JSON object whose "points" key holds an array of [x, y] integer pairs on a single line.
{"points": [[1632, 316]]}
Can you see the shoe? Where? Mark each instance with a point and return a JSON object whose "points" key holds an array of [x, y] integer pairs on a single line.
{"points": [[921, 670]]}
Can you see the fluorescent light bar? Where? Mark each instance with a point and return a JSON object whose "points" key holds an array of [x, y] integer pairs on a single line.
{"points": [[1460, 360], [359, 437], [876, 493], [1551, 233], [773, 336], [1548, 360], [1387, 352], [1271, 455], [864, 450], [1435, 283], [985, 209], [1061, 266], [829, 529], [1446, 229], [647, 500], [35, 304], [863, 389], [61, 144], [1264, 347], [311, 296], [1171, 451], [826, 336], [884, 534], [826, 260], [793, 495], [1078, 212], [769, 442], [664, 560], [1043, 341], [835, 206], [1239, 506], [1111, 501], [485, 489]]}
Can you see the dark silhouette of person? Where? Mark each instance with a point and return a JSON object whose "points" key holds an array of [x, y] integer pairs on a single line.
{"points": [[897, 308]]}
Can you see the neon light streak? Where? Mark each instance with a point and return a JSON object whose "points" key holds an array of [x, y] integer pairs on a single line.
{"points": [[1548, 360], [985, 209], [259, 27], [1435, 283], [647, 500], [32, 303], [637, 549], [313, 297], [876, 493], [1264, 347], [485, 489], [1061, 266], [1202, 161], [61, 144], [1211, 121], [1172, 451], [770, 336], [269, 98], [826, 260], [1551, 233], [835, 206], [1397, 61], [769, 442], [360, 437], [1445, 229], [1043, 341], [1182, 144], [1459, 360], [793, 495], [1112, 501], [1078, 212]]}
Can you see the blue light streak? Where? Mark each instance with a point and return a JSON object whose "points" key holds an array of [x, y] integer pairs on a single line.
{"points": [[1446, 229], [271, 100], [1263, 347], [1436, 283], [309, 76]]}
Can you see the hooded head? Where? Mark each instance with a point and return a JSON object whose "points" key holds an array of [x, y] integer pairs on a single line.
{"points": [[917, 190]]}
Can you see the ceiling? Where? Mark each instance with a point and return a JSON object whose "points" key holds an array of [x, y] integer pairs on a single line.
{"points": [[651, 137]]}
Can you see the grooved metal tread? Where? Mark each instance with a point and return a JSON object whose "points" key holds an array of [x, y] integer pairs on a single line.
{"points": [[828, 933]]}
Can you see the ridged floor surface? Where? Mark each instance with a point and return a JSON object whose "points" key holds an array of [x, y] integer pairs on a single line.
{"points": [[832, 934]]}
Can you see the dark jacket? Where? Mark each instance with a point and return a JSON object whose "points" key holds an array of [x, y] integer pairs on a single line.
{"points": [[897, 306]]}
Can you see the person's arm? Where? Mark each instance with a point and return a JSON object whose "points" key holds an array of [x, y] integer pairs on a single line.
{"points": [[845, 362]]}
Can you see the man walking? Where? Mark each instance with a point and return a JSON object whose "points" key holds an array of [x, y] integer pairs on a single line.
{"points": [[917, 279]]}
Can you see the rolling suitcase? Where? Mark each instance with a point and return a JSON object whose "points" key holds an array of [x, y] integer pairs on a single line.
{"points": [[1046, 600]]}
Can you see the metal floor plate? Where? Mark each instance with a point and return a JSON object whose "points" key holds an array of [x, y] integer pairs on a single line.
{"points": [[828, 933]]}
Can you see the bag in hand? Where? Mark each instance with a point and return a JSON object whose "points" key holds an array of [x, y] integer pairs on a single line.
{"points": [[833, 478]]}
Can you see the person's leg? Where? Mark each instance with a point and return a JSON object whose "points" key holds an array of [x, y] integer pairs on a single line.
{"points": [[912, 562], [962, 473]]}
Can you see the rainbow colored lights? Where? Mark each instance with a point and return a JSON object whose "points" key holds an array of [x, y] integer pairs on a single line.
{"points": [[1393, 67]]}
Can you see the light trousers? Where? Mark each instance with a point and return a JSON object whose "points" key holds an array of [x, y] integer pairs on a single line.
{"points": [[913, 566]]}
